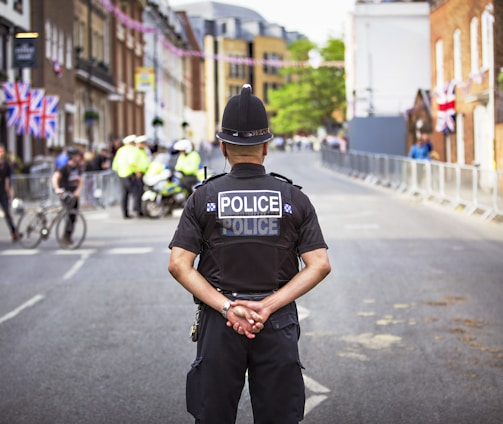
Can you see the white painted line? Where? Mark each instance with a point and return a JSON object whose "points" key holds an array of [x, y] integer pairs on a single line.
{"points": [[314, 386], [361, 227], [25, 305], [85, 253], [130, 250], [312, 402], [73, 270], [303, 312], [17, 252]]}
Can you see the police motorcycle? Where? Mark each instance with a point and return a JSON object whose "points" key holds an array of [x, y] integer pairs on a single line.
{"points": [[162, 189]]}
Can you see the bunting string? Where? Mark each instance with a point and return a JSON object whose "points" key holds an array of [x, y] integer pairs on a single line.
{"points": [[129, 22]]}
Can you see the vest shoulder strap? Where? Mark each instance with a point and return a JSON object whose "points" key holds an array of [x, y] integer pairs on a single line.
{"points": [[283, 178], [214, 177]]}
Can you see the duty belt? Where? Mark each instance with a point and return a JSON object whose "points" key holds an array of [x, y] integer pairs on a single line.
{"points": [[245, 295]]}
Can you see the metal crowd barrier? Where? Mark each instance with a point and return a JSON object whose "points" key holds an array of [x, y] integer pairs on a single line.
{"points": [[474, 189], [101, 188]]}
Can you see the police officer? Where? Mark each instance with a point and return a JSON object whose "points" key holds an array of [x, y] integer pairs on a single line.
{"points": [[249, 229], [188, 163], [126, 164]]}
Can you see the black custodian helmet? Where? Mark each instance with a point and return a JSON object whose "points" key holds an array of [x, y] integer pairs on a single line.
{"points": [[245, 120]]}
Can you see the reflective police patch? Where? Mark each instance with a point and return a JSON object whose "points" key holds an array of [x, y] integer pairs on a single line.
{"points": [[250, 204], [243, 227]]}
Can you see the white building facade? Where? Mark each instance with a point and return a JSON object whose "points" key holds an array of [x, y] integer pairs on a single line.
{"points": [[387, 57]]}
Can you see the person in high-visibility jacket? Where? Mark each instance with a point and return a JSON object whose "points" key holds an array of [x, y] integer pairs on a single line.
{"points": [[126, 163], [188, 163]]}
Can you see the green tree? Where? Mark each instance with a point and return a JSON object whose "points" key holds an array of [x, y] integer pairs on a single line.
{"points": [[311, 95]]}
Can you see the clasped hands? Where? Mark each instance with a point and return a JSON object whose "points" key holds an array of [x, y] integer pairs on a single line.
{"points": [[247, 317]]}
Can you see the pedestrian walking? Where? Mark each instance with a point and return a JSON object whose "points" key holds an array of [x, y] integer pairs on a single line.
{"points": [[7, 191], [249, 229]]}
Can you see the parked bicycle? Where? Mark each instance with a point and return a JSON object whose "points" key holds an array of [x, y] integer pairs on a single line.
{"points": [[35, 225]]}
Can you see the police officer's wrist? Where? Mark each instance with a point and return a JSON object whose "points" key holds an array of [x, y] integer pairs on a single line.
{"points": [[225, 309]]}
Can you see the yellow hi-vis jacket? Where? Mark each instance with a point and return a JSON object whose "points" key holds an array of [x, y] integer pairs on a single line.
{"points": [[126, 161], [189, 164]]}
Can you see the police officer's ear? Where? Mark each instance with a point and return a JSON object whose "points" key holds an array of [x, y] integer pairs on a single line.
{"points": [[266, 149], [223, 149]]}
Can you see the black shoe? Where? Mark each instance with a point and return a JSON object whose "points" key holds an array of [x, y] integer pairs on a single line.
{"points": [[16, 236], [127, 216]]}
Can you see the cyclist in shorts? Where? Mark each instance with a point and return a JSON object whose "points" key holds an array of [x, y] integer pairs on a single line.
{"points": [[67, 183]]}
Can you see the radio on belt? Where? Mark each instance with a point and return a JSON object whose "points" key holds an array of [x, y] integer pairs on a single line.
{"points": [[250, 204]]}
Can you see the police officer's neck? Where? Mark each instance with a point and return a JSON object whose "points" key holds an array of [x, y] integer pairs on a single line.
{"points": [[258, 160]]}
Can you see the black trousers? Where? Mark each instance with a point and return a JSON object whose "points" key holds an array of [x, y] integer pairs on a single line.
{"points": [[129, 189], [72, 205], [4, 201], [216, 378]]}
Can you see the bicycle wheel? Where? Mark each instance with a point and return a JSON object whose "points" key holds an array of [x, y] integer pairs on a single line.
{"points": [[71, 229], [30, 227]]}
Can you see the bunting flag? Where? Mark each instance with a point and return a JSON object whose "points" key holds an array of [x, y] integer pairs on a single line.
{"points": [[16, 99], [28, 124], [47, 120], [446, 114]]}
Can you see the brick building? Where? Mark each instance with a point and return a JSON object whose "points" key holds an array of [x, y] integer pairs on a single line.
{"points": [[466, 49]]}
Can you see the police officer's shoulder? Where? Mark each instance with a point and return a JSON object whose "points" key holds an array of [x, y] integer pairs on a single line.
{"points": [[283, 178], [213, 177]]}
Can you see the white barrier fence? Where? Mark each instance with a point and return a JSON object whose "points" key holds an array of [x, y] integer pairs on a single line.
{"points": [[473, 189], [101, 188]]}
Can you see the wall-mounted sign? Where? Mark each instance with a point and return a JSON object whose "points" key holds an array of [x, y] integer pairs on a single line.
{"points": [[25, 50]]}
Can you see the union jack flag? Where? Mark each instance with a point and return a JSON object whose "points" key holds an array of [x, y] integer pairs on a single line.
{"points": [[28, 124], [16, 99], [47, 119], [446, 114]]}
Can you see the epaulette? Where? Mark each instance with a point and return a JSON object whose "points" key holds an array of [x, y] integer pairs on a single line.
{"points": [[213, 177], [283, 178]]}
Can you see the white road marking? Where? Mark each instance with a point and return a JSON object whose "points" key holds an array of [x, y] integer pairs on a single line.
{"points": [[19, 309], [314, 386], [130, 250], [312, 402], [303, 312], [84, 254], [17, 252]]}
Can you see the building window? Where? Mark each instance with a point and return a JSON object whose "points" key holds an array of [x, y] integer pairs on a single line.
{"points": [[48, 34], [268, 69], [487, 39], [18, 6], [458, 69], [474, 46], [3, 47], [69, 52], [236, 69], [61, 47], [54, 42], [439, 62]]}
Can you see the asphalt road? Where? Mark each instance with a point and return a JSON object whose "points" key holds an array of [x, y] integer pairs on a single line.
{"points": [[408, 328]]}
